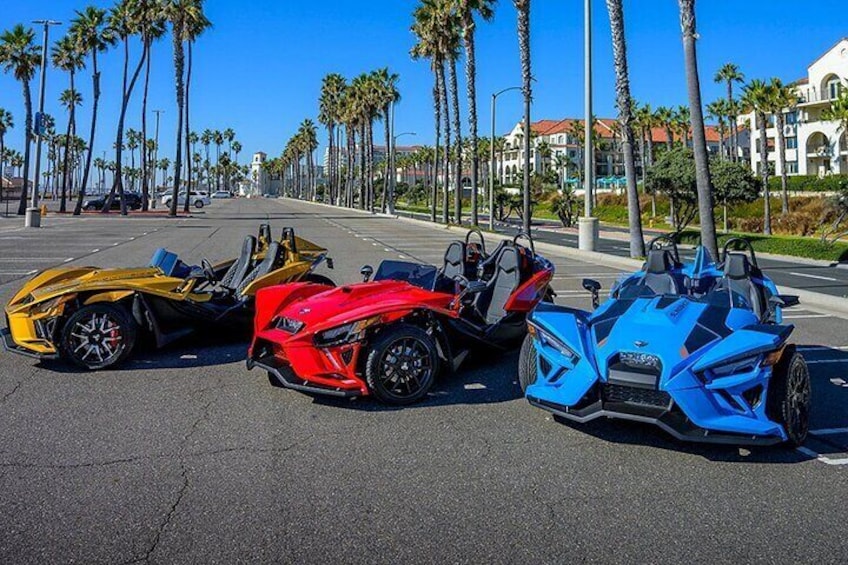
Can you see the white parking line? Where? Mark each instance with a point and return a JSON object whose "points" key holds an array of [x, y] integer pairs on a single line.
{"points": [[822, 458], [68, 260], [805, 316], [95, 250], [829, 431], [821, 347], [817, 361], [818, 277]]}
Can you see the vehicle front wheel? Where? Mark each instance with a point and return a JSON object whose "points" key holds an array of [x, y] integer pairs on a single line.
{"points": [[527, 368], [98, 336], [198, 204], [402, 365], [789, 396], [318, 279]]}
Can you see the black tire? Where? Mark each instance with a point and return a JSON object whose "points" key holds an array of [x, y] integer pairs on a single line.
{"points": [[198, 204], [391, 354], [527, 368], [107, 329], [88, 208], [789, 396], [318, 279]]}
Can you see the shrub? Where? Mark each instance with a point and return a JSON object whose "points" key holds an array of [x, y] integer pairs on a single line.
{"points": [[810, 183]]}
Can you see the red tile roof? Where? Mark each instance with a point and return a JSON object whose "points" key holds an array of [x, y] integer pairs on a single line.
{"points": [[605, 128]]}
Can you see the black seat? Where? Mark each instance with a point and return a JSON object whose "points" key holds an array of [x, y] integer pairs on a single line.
{"points": [[272, 258], [239, 269], [454, 263], [737, 280], [658, 272], [489, 304]]}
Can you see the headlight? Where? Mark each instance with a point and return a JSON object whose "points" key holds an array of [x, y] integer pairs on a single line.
{"points": [[745, 364], [288, 325], [51, 304], [347, 333], [545, 338]]}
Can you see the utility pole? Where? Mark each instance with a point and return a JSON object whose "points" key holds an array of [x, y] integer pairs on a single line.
{"points": [[33, 215], [492, 155], [587, 225]]}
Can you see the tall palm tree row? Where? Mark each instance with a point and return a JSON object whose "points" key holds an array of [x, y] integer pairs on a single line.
{"points": [[625, 118], [151, 28], [757, 95], [7, 122], [67, 56], [20, 56], [523, 8], [330, 113], [194, 24], [783, 98]]}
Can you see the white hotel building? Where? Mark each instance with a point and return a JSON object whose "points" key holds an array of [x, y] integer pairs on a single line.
{"points": [[813, 146]]}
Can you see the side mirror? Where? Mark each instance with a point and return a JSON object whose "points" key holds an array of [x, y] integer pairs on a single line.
{"points": [[475, 287], [366, 271], [777, 302], [329, 261], [594, 288], [788, 300]]}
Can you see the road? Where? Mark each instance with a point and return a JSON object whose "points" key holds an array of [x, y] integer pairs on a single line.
{"points": [[809, 275], [184, 456]]}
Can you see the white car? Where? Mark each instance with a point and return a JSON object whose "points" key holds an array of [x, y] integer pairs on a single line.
{"points": [[198, 199], [221, 194]]}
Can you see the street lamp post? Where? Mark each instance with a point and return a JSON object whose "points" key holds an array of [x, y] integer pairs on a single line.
{"points": [[393, 167], [33, 216], [493, 165], [588, 226]]}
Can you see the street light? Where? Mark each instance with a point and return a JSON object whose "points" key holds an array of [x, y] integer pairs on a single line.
{"points": [[588, 226], [33, 216], [492, 155], [392, 167], [156, 155]]}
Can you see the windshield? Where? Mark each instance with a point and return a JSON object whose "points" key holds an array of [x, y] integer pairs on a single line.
{"points": [[422, 276]]}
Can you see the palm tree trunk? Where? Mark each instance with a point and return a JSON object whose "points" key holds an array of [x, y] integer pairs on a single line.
{"points": [[95, 80], [526, 72], [696, 117], [443, 95], [471, 94], [624, 102], [765, 172], [734, 132], [454, 90], [67, 150], [434, 176], [188, 130], [362, 167], [145, 172], [369, 128], [22, 204], [331, 177], [388, 136], [179, 65]]}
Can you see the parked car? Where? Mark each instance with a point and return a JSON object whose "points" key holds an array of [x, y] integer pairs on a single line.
{"points": [[198, 199], [221, 194], [700, 350], [392, 335], [132, 199]]}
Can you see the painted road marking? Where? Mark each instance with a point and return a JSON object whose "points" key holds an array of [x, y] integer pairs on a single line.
{"points": [[822, 458], [68, 260], [817, 361], [402, 256], [821, 347], [829, 431], [839, 382], [28, 259], [818, 277]]}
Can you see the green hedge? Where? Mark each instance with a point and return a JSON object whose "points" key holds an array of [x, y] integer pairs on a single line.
{"points": [[781, 245], [810, 183]]}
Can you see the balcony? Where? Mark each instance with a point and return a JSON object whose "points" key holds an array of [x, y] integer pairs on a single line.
{"points": [[821, 151]]}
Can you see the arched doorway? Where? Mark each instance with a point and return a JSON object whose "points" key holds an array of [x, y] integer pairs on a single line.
{"points": [[819, 154]]}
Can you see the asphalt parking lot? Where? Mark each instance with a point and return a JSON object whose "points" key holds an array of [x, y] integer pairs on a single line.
{"points": [[182, 455]]}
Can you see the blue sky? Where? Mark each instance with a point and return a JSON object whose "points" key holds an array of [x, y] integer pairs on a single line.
{"points": [[258, 70]]}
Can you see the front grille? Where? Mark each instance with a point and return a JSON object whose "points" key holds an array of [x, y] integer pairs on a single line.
{"points": [[635, 395]]}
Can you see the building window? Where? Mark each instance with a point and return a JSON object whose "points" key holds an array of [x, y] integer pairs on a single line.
{"points": [[792, 167], [834, 88], [792, 118], [792, 143]]}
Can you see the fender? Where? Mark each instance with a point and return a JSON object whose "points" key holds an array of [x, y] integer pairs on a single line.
{"points": [[109, 296], [272, 299]]}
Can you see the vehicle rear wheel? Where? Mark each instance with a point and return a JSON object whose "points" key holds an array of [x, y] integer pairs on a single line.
{"points": [[789, 396], [318, 279], [527, 368], [402, 365], [198, 204], [98, 336]]}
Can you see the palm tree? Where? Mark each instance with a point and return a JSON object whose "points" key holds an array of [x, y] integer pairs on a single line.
{"points": [[783, 98], [467, 10], [123, 21], [387, 95], [699, 138], [67, 57], [176, 15], [20, 56], [7, 122], [665, 119], [329, 114], [719, 111], [838, 111], [681, 123], [151, 28], [206, 140], [218, 140], [92, 36], [195, 23], [625, 118], [758, 96], [427, 27], [729, 73], [523, 7]]}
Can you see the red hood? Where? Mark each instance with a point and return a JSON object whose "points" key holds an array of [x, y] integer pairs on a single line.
{"points": [[354, 302]]}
